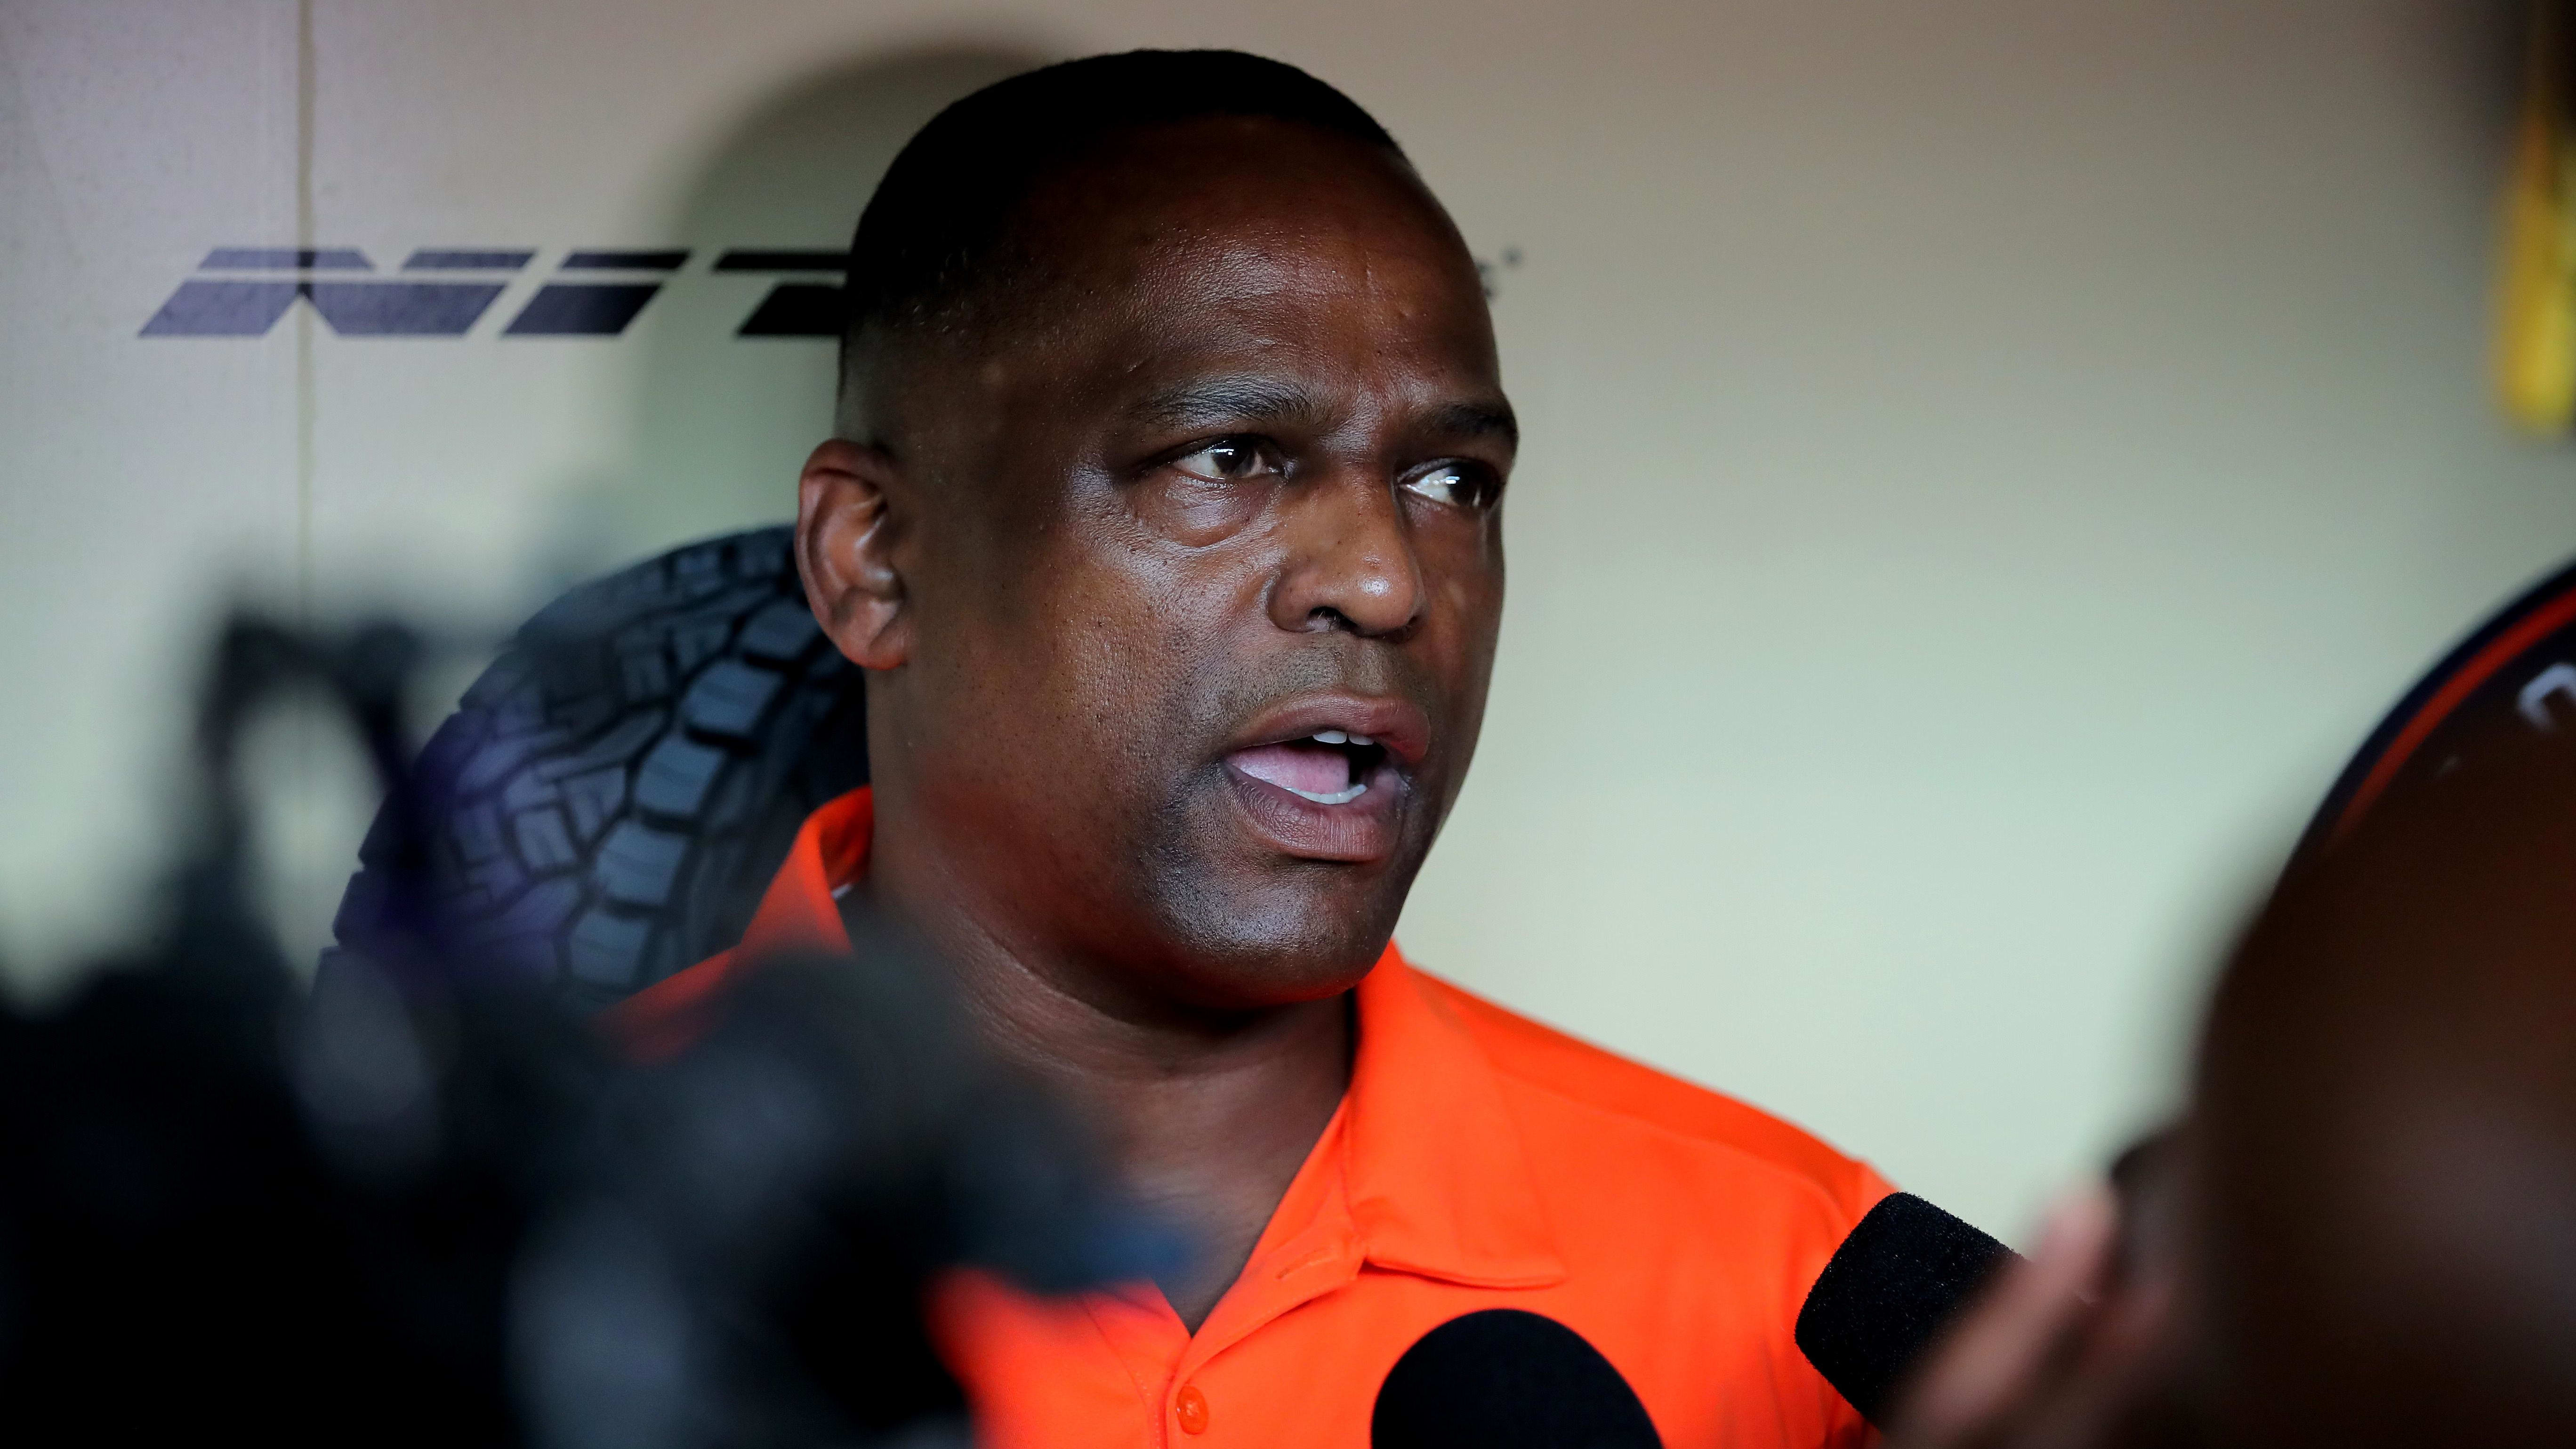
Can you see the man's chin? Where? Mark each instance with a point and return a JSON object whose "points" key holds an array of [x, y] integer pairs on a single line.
{"points": [[1251, 985], [1274, 951], [1249, 925]]}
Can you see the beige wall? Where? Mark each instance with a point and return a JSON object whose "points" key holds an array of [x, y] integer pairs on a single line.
{"points": [[1987, 460]]}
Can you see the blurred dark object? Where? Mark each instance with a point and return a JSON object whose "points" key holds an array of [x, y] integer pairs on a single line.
{"points": [[746, 1260], [2514, 674], [425, 1205], [2381, 1162], [611, 797], [2357, 1234], [2360, 1233]]}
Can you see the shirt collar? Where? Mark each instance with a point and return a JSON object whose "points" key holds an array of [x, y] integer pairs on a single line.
{"points": [[1439, 1183], [797, 911], [802, 905]]}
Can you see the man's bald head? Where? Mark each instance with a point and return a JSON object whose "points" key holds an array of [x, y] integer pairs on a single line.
{"points": [[1166, 518], [945, 250]]}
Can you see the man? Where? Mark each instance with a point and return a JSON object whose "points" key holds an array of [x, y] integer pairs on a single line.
{"points": [[1165, 514]]}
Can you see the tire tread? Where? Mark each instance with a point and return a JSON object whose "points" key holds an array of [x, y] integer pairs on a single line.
{"points": [[613, 793]]}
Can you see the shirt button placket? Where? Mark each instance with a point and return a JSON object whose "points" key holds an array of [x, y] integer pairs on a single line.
{"points": [[1190, 1409]]}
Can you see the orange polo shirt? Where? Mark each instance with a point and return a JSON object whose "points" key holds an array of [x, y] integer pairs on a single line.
{"points": [[1478, 1161]]}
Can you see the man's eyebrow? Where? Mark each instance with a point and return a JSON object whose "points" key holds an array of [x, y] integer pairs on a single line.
{"points": [[1220, 401], [1223, 401], [1477, 420]]}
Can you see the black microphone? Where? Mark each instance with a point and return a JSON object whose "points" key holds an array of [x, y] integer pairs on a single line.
{"points": [[1900, 1277], [1506, 1378]]}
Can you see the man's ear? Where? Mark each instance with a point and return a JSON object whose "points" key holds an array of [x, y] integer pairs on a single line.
{"points": [[846, 534]]}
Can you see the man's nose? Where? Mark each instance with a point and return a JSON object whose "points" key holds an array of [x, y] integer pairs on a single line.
{"points": [[1350, 561]]}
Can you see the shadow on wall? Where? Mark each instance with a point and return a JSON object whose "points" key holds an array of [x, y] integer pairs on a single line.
{"points": [[721, 423]]}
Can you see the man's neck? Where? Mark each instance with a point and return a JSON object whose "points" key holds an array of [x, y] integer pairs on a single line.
{"points": [[1206, 1116]]}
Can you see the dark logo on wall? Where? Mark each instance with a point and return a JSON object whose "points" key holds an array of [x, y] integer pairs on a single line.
{"points": [[444, 291]]}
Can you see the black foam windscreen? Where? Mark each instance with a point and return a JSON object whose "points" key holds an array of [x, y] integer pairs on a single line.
{"points": [[1505, 1378], [1901, 1275]]}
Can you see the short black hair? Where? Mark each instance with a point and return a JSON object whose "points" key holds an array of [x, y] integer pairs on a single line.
{"points": [[951, 193]]}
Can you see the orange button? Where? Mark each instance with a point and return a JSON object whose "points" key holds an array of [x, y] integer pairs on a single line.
{"points": [[1191, 1407]]}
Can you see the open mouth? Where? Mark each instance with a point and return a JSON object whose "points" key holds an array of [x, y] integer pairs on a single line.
{"points": [[1328, 767], [1330, 777]]}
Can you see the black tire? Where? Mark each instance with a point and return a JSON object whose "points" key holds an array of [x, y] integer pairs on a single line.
{"points": [[613, 794]]}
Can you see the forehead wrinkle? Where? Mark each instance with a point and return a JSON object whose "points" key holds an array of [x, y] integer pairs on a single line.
{"points": [[1313, 274]]}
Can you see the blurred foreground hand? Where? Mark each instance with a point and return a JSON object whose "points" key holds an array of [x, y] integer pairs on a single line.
{"points": [[2069, 1347]]}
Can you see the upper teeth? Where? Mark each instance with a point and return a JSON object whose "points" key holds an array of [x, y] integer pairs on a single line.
{"points": [[1341, 737]]}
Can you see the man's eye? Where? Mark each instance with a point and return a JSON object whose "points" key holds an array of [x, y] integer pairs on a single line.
{"points": [[1230, 460], [1460, 485]]}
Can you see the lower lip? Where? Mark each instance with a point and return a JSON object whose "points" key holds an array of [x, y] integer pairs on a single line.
{"points": [[1362, 830]]}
